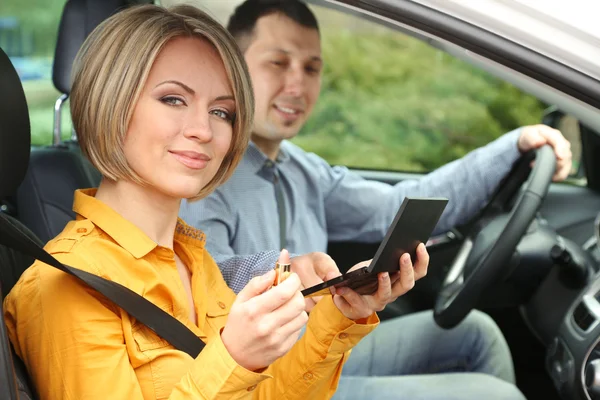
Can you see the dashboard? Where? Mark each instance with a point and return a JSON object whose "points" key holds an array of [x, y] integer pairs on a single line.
{"points": [[564, 313]]}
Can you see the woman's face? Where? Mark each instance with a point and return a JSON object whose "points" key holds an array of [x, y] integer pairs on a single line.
{"points": [[182, 125]]}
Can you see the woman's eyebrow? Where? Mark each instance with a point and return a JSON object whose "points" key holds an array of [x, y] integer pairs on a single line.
{"points": [[183, 85]]}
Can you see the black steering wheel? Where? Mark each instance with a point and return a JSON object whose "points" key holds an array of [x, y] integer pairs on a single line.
{"points": [[485, 253]]}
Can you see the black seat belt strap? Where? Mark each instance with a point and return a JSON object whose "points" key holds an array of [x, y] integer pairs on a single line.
{"points": [[162, 323]]}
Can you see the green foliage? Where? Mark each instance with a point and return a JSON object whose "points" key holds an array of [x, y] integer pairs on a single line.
{"points": [[41, 96], [388, 101], [393, 102], [38, 22]]}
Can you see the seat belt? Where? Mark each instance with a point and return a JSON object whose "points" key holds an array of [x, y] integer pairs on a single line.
{"points": [[160, 322]]}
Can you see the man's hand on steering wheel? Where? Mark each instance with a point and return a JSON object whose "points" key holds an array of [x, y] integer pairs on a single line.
{"points": [[535, 136], [494, 244]]}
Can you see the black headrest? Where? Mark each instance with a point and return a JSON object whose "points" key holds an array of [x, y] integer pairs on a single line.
{"points": [[79, 18], [15, 137]]}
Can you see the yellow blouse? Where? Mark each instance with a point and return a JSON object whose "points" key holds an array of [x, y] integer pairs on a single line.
{"points": [[78, 345]]}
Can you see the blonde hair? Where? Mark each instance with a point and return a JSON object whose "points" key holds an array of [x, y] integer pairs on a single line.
{"points": [[111, 70]]}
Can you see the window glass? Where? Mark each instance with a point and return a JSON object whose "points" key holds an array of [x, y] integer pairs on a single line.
{"points": [[393, 102], [569, 126], [28, 31]]}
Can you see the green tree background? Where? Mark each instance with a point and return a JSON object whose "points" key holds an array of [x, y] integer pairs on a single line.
{"points": [[388, 101], [38, 22]]}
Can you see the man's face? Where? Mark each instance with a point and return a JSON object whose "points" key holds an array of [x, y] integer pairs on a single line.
{"points": [[284, 60]]}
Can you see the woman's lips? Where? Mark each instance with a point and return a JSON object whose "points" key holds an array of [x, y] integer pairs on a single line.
{"points": [[191, 159]]}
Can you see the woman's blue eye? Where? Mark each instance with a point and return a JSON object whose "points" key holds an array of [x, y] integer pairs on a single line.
{"points": [[223, 115], [172, 101]]}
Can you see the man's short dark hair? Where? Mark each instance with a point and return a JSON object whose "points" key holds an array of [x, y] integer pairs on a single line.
{"points": [[242, 22]]}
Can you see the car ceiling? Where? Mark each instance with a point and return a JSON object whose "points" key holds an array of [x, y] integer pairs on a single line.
{"points": [[560, 30]]}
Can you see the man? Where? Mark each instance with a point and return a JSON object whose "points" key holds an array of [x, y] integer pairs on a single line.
{"points": [[281, 196]]}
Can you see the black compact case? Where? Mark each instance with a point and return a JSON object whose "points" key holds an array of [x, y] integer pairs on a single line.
{"points": [[415, 221]]}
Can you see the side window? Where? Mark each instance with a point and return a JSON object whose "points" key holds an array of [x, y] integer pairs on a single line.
{"points": [[569, 126], [390, 101], [28, 31]]}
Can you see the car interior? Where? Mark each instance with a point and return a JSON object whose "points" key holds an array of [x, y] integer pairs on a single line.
{"points": [[530, 259], [48, 175], [44, 198]]}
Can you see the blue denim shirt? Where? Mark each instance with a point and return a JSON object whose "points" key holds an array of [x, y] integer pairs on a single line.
{"points": [[325, 203]]}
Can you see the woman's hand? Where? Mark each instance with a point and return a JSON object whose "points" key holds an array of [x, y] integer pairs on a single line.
{"points": [[264, 324], [312, 268], [355, 306]]}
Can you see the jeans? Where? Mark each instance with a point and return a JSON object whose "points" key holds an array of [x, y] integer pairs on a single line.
{"points": [[412, 358]]}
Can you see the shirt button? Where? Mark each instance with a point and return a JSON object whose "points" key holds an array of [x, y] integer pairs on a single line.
{"points": [[221, 304], [251, 388], [343, 335], [308, 376], [81, 230]]}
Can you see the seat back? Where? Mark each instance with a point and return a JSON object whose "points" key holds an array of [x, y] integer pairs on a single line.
{"points": [[42, 183], [15, 141], [8, 381], [12, 265], [45, 198], [78, 20]]}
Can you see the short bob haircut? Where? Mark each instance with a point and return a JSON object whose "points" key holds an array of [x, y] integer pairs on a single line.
{"points": [[111, 70]]}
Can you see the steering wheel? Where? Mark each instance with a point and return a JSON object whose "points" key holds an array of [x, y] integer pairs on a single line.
{"points": [[486, 252]]}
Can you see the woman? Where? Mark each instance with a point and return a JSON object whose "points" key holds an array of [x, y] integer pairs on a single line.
{"points": [[162, 104]]}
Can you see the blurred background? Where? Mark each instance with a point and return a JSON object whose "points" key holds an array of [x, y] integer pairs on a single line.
{"points": [[388, 100]]}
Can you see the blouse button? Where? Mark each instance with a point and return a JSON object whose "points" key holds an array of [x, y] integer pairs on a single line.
{"points": [[81, 230], [343, 335], [308, 376], [221, 304], [251, 388]]}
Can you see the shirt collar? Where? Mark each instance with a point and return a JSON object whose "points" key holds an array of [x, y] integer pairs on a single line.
{"points": [[258, 159], [122, 231]]}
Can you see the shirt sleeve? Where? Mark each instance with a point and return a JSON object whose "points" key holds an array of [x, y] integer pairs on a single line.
{"points": [[237, 271], [214, 216], [72, 341], [361, 210], [312, 368]]}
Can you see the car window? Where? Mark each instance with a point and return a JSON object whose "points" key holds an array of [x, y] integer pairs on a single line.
{"points": [[28, 30], [569, 126], [393, 102], [388, 101]]}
